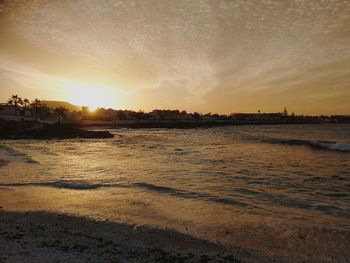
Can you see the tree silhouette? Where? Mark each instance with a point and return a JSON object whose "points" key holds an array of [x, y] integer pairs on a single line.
{"points": [[196, 115], [61, 111], [36, 104], [25, 102], [20, 101], [15, 100], [121, 115]]}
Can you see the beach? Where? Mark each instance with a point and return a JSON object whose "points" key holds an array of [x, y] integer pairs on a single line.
{"points": [[49, 237], [228, 194], [38, 236]]}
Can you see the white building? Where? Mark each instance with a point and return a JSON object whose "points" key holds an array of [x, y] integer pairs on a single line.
{"points": [[6, 109]]}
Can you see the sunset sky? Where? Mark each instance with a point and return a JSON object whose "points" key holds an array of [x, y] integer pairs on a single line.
{"points": [[196, 55]]}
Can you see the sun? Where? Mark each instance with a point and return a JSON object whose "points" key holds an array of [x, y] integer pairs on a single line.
{"points": [[92, 109], [91, 95]]}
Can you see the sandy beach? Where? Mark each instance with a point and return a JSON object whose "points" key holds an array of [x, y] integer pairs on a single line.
{"points": [[29, 233], [50, 237]]}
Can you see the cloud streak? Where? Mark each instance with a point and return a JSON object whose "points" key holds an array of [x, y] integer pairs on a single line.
{"points": [[198, 55]]}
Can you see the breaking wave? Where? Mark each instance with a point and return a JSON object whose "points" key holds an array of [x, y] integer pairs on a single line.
{"points": [[63, 184], [10, 152], [323, 145], [188, 194], [76, 185]]}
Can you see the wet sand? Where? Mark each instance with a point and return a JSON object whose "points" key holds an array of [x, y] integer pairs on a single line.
{"points": [[28, 234], [3, 162], [53, 237], [71, 233]]}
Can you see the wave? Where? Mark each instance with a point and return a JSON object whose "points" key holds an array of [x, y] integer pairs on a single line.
{"points": [[78, 185], [280, 200], [323, 145], [10, 152], [188, 194], [62, 184]]}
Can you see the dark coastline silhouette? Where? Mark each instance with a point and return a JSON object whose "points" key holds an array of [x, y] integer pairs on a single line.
{"points": [[18, 109], [33, 130]]}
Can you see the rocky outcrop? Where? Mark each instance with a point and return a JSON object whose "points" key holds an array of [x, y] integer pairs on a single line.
{"points": [[32, 130]]}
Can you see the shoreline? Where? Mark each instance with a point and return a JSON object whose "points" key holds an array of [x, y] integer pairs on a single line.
{"points": [[11, 130], [34, 226], [40, 236], [188, 125]]}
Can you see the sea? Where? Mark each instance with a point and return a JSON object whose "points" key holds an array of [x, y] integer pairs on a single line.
{"points": [[279, 189]]}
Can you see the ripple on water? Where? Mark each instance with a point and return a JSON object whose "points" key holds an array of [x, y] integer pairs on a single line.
{"points": [[227, 167]]}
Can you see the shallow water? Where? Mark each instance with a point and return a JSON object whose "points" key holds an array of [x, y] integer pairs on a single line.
{"points": [[260, 187]]}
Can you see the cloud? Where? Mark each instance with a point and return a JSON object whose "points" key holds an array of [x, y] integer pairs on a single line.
{"points": [[192, 54]]}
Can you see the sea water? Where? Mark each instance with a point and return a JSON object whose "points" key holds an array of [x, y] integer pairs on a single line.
{"points": [[282, 189]]}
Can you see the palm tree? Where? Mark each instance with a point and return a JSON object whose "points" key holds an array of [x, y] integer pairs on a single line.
{"points": [[61, 111], [36, 105], [20, 101], [25, 102], [21, 110], [196, 115], [15, 100]]}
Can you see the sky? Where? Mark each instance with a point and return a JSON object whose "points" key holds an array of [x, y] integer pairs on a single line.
{"points": [[196, 55]]}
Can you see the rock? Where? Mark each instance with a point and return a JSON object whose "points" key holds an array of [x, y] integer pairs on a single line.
{"points": [[32, 130]]}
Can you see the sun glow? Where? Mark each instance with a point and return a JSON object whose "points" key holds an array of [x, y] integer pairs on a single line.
{"points": [[92, 109], [92, 95]]}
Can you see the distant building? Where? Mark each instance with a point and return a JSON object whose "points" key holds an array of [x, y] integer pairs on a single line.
{"points": [[6, 109], [154, 115], [28, 113], [15, 113], [109, 114], [85, 109], [172, 115], [85, 112], [73, 116]]}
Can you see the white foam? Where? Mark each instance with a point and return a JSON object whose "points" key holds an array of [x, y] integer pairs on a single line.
{"points": [[343, 147]]}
